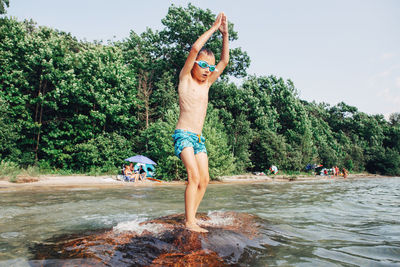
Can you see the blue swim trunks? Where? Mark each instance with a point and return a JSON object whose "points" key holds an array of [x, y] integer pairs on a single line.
{"points": [[183, 138]]}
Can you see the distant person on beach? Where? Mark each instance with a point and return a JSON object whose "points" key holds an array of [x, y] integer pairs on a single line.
{"points": [[195, 79], [130, 173], [142, 173], [273, 169], [127, 172], [345, 173], [131, 167]]}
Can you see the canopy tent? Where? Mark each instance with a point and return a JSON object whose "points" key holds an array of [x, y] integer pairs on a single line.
{"points": [[148, 168], [141, 159], [145, 162]]}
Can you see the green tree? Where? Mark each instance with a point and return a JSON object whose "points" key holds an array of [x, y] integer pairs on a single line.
{"points": [[293, 121], [101, 95], [326, 146], [221, 159], [392, 137], [394, 119], [234, 111], [164, 96], [143, 55], [384, 161], [3, 5], [62, 92], [8, 133], [28, 73], [103, 153], [269, 148]]}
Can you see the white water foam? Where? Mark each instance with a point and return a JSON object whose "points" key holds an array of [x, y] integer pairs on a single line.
{"points": [[219, 219], [136, 227]]}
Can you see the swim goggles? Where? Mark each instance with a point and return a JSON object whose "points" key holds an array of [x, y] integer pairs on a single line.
{"points": [[204, 65]]}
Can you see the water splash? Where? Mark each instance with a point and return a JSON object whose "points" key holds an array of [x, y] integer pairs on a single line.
{"points": [[218, 219], [139, 227]]}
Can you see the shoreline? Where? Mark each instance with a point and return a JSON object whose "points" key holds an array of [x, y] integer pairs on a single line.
{"points": [[108, 181]]}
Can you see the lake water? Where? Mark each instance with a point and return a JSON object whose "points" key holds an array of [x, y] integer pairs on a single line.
{"points": [[354, 222]]}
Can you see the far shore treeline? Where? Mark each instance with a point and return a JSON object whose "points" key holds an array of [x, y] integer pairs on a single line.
{"points": [[82, 107]]}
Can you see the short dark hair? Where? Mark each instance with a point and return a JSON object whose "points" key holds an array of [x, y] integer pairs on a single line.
{"points": [[206, 51]]}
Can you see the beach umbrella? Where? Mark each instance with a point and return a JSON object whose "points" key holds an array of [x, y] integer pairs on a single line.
{"points": [[141, 159]]}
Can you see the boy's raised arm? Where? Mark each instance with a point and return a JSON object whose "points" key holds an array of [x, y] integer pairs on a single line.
{"points": [[196, 47], [225, 50]]}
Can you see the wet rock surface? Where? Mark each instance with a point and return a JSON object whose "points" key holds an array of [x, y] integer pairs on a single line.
{"points": [[232, 239]]}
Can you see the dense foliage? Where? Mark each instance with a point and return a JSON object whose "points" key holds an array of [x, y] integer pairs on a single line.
{"points": [[83, 107], [3, 5]]}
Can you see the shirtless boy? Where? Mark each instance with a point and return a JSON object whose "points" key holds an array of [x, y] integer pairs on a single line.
{"points": [[195, 79]]}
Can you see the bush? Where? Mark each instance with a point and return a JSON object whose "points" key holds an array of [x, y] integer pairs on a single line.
{"points": [[220, 157], [156, 142], [349, 164], [102, 154], [9, 170], [384, 161], [32, 171], [8, 133], [44, 166]]}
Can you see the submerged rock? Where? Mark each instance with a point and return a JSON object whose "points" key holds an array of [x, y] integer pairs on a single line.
{"points": [[159, 242]]}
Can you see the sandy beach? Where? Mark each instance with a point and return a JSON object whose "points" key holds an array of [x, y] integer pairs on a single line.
{"points": [[108, 181]]}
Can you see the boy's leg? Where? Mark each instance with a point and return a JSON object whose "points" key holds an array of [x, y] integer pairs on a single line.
{"points": [[189, 160], [202, 164]]}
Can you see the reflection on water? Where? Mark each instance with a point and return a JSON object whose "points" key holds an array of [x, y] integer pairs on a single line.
{"points": [[322, 223]]}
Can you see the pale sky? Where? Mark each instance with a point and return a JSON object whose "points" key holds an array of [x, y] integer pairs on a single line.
{"points": [[333, 51]]}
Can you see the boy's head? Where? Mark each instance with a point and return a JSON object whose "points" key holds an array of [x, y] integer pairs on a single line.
{"points": [[201, 73], [205, 51]]}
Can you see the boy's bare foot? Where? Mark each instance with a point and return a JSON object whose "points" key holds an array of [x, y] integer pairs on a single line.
{"points": [[195, 228]]}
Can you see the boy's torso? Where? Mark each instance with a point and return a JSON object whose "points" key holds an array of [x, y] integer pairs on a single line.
{"points": [[193, 100]]}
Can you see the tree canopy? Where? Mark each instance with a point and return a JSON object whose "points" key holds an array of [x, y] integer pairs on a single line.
{"points": [[3, 5]]}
